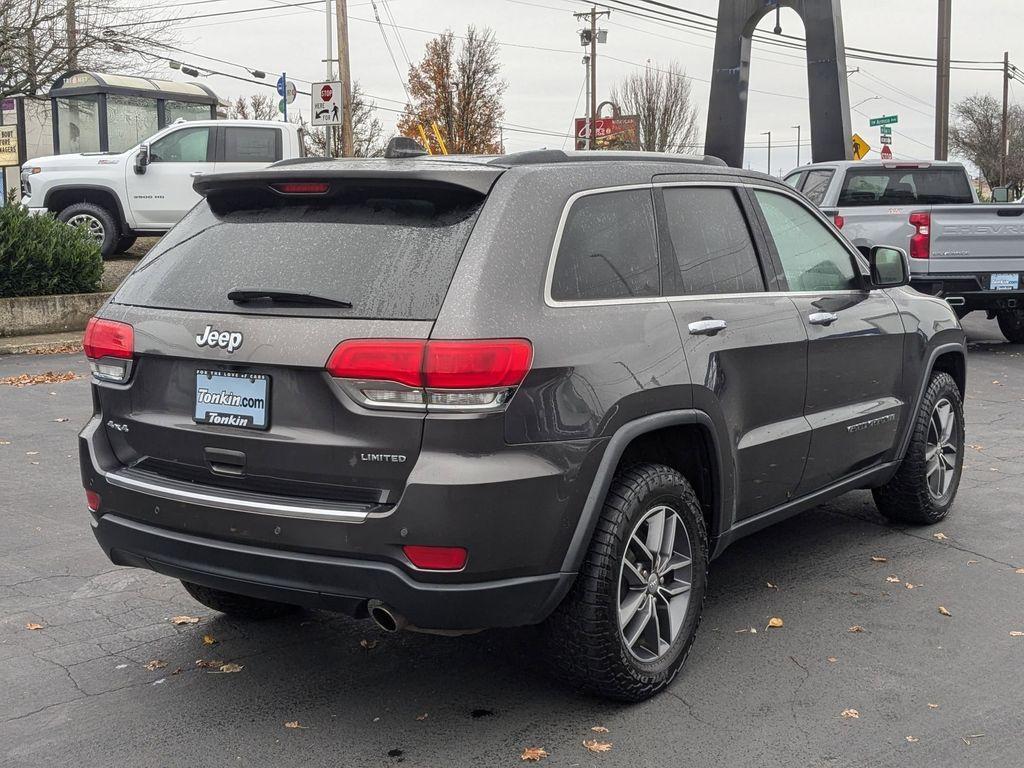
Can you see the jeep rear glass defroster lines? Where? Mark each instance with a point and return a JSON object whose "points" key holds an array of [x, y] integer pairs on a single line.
{"points": [[450, 375]]}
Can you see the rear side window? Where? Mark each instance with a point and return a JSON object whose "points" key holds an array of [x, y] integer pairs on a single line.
{"points": [[390, 251], [187, 145], [251, 145], [905, 186], [816, 185], [711, 241], [608, 248]]}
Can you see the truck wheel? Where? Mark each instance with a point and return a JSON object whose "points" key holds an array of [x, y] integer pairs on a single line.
{"points": [[98, 220], [625, 627], [1011, 323], [240, 606], [923, 489], [124, 243]]}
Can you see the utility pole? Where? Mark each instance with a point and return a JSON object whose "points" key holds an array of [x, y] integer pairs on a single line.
{"points": [[590, 37], [586, 75], [942, 80], [345, 74], [797, 145], [70, 20], [769, 135], [329, 129], [1003, 148]]}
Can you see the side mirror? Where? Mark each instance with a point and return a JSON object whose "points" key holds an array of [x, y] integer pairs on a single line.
{"points": [[890, 267], [142, 159], [1000, 194]]}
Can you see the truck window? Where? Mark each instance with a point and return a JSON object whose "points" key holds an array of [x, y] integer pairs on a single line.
{"points": [[608, 248], [251, 145], [794, 179], [903, 186], [816, 185], [189, 145]]}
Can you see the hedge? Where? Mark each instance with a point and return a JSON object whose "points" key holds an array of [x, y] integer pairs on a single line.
{"points": [[40, 256]]}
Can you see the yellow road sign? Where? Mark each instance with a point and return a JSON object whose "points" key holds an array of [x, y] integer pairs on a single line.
{"points": [[860, 147]]}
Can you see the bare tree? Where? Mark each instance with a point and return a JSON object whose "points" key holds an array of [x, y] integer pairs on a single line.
{"points": [[258, 106], [459, 89], [35, 46], [976, 136], [662, 100]]}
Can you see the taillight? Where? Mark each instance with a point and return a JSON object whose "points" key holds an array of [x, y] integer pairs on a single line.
{"points": [[478, 374], [920, 241], [838, 221], [436, 558], [109, 345], [93, 500]]}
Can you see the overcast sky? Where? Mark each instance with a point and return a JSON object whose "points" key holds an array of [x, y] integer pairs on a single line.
{"points": [[541, 58]]}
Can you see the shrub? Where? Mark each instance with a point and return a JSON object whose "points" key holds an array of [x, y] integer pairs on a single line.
{"points": [[40, 256]]}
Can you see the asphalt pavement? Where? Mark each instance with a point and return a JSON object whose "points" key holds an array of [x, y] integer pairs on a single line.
{"points": [[928, 689]]}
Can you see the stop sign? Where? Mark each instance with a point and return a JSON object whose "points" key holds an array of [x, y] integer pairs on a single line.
{"points": [[326, 93]]}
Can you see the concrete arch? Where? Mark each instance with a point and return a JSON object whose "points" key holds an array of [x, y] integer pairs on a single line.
{"points": [[826, 77]]}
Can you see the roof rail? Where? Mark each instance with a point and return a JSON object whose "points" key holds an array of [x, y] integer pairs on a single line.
{"points": [[538, 156]]}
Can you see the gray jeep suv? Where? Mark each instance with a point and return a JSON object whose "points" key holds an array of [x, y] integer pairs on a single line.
{"points": [[543, 388]]}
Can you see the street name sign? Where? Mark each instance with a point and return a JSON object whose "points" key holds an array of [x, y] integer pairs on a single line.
{"points": [[885, 130], [884, 120]]}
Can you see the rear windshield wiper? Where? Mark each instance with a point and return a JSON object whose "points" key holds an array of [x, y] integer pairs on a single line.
{"points": [[240, 296]]}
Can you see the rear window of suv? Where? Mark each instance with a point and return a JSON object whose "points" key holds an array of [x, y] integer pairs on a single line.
{"points": [[391, 252], [905, 186]]}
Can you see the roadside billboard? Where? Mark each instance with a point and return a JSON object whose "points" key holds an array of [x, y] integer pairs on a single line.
{"points": [[622, 132]]}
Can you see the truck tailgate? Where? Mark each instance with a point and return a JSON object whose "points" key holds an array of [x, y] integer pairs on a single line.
{"points": [[977, 238]]}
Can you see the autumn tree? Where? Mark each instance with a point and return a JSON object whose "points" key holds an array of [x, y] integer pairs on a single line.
{"points": [[458, 86], [662, 100], [36, 47], [976, 136]]}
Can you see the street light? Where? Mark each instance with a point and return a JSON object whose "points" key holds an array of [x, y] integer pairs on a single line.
{"points": [[865, 101], [769, 135], [797, 144]]}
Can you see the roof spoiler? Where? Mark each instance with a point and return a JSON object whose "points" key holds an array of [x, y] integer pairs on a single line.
{"points": [[539, 156]]}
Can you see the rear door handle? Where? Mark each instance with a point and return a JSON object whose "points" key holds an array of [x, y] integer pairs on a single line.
{"points": [[196, 173], [822, 318], [707, 327]]}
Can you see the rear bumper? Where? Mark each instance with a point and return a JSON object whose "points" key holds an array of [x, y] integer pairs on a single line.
{"points": [[515, 512], [333, 583], [969, 292]]}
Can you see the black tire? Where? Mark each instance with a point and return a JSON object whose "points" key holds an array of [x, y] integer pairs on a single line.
{"points": [[124, 243], [585, 644], [239, 606], [102, 224], [907, 497], [1011, 323]]}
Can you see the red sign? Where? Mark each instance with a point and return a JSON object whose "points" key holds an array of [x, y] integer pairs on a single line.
{"points": [[618, 132], [886, 152], [326, 93]]}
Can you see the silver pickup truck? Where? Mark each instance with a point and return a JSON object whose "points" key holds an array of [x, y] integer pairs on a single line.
{"points": [[969, 253]]}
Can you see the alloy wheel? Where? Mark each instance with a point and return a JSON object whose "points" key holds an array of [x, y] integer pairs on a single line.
{"points": [[92, 224], [654, 584], [941, 450]]}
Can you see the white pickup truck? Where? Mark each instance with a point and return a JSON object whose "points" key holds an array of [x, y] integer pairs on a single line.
{"points": [[969, 253], [147, 189]]}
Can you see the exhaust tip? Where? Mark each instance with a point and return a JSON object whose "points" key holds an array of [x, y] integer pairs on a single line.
{"points": [[383, 617]]}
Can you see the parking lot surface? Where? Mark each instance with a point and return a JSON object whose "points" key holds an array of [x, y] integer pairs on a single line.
{"points": [[928, 689]]}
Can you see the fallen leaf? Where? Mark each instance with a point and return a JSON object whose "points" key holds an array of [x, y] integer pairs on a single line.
{"points": [[975, 562], [5, 442], [161, 681], [850, 713], [598, 746], [29, 380], [209, 640], [832, 659], [368, 645], [422, 717], [1016, 633], [893, 579], [533, 754], [121, 666], [879, 559], [933, 706], [943, 611], [177, 671], [62, 419], [771, 586], [599, 729], [155, 664], [293, 724], [908, 585], [176, 620], [33, 626], [856, 628], [211, 664], [774, 622], [1019, 570], [912, 739], [940, 536], [228, 668]]}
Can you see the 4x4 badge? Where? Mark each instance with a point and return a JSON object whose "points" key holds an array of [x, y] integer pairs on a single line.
{"points": [[229, 340]]}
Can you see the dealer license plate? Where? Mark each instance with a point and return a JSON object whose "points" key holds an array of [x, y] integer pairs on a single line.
{"points": [[229, 399], [1005, 282]]}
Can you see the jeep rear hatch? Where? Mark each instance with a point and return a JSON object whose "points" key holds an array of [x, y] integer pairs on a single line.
{"points": [[237, 312]]}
